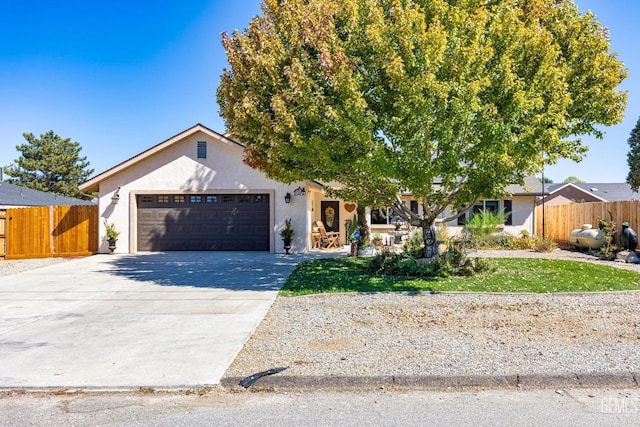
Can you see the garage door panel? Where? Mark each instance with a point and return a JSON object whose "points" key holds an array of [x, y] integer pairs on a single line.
{"points": [[262, 229], [212, 228], [218, 222], [261, 215], [245, 228], [212, 214]]}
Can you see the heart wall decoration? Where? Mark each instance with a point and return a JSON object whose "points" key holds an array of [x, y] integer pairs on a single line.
{"points": [[350, 207]]}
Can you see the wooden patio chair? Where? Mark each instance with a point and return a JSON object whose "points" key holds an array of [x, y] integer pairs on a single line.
{"points": [[328, 239]]}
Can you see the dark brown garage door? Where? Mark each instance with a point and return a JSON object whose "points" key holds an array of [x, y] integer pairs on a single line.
{"points": [[203, 222]]}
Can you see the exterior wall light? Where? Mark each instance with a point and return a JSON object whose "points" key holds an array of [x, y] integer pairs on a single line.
{"points": [[287, 198], [116, 197]]}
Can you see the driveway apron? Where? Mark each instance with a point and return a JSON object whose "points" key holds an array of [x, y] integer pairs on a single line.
{"points": [[173, 319]]}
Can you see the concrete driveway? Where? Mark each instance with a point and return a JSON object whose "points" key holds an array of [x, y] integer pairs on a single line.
{"points": [[150, 320]]}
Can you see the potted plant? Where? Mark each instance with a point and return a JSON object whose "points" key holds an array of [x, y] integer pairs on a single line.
{"points": [[314, 227], [287, 235], [112, 234], [354, 235]]}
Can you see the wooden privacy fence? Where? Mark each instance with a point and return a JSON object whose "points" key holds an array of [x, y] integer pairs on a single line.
{"points": [[560, 220], [49, 231]]}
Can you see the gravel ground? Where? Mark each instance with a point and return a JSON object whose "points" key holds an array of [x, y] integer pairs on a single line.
{"points": [[407, 334], [17, 266]]}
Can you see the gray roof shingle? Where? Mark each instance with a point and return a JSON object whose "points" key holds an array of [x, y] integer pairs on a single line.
{"points": [[610, 192], [14, 195], [532, 187]]}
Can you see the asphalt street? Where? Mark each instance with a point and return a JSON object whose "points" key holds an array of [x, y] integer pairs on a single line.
{"points": [[570, 407]]}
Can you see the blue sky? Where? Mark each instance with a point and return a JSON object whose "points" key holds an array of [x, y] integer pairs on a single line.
{"points": [[121, 76]]}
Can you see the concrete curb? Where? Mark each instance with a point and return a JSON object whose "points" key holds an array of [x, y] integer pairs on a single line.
{"points": [[292, 383], [440, 382]]}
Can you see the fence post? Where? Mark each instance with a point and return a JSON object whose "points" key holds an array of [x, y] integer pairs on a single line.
{"points": [[52, 244], [3, 221]]}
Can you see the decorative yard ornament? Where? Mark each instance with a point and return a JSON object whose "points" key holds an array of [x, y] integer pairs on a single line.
{"points": [[628, 237]]}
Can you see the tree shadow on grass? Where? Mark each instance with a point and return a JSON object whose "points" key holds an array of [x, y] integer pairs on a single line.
{"points": [[349, 275]]}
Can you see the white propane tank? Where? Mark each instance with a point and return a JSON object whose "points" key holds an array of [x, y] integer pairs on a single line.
{"points": [[586, 237]]}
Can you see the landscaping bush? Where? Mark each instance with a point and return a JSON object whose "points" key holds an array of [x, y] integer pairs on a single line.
{"points": [[363, 228], [608, 249], [544, 244], [505, 241], [485, 223], [414, 246], [494, 241], [452, 262]]}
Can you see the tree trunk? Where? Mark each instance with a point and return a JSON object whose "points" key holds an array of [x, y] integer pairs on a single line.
{"points": [[430, 242]]}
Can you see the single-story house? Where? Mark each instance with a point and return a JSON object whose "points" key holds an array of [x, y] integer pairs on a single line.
{"points": [[15, 196], [194, 192], [559, 194], [518, 203]]}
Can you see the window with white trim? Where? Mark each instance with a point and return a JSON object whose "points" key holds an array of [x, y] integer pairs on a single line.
{"points": [[492, 206]]}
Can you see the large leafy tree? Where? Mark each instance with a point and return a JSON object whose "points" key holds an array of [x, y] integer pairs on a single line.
{"points": [[449, 99], [633, 157], [50, 163], [573, 180]]}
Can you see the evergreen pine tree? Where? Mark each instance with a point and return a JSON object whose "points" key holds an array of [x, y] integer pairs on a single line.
{"points": [[633, 158], [51, 164]]}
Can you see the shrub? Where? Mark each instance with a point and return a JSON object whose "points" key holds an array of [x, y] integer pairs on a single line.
{"points": [[608, 249], [414, 246], [452, 262], [442, 233], [526, 241], [494, 241], [506, 241], [484, 223], [363, 227], [110, 230], [544, 244], [389, 263]]}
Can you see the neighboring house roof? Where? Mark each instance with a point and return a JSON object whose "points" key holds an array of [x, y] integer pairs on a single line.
{"points": [[606, 192], [12, 195], [532, 187], [93, 184]]}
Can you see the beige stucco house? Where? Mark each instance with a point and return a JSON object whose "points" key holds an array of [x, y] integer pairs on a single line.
{"points": [[193, 192], [519, 202]]}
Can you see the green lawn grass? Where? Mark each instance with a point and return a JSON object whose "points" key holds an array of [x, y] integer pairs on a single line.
{"points": [[509, 275]]}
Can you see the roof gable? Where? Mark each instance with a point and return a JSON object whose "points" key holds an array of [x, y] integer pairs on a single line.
{"points": [[93, 184], [607, 192], [560, 188]]}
